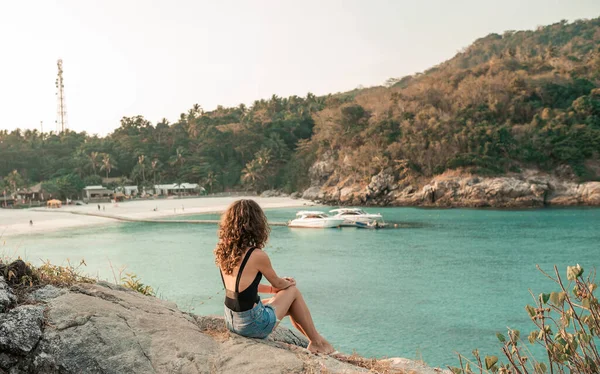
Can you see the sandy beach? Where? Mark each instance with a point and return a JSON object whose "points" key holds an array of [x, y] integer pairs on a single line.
{"points": [[16, 222]]}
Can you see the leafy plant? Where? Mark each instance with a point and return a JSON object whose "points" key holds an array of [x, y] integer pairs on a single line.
{"points": [[567, 325], [132, 281]]}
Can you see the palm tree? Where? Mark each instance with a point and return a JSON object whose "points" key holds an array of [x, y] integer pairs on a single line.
{"points": [[251, 174], [107, 164], [178, 160], [141, 162], [94, 161], [14, 180], [154, 166], [210, 180]]}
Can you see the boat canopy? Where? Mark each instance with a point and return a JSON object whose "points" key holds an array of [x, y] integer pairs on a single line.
{"points": [[343, 210], [309, 212]]}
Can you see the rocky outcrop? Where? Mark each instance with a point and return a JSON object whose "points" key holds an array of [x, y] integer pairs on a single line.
{"points": [[103, 328], [528, 189], [273, 193], [7, 297]]}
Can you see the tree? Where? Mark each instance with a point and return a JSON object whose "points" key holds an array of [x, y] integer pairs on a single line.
{"points": [[94, 162], [178, 160], [210, 180], [92, 180], [251, 174], [14, 181], [142, 164], [107, 164], [154, 165]]}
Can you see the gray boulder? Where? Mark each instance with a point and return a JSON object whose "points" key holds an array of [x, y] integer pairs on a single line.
{"points": [[93, 328], [46, 293], [21, 329], [7, 297]]}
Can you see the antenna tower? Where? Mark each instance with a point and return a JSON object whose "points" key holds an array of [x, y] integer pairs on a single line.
{"points": [[61, 107]]}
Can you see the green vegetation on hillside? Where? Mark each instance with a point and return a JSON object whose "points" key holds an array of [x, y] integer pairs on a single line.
{"points": [[521, 99]]}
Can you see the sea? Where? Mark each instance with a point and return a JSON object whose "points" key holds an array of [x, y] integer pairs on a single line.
{"points": [[443, 282]]}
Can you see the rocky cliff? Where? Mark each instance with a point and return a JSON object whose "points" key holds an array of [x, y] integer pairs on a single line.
{"points": [[103, 328], [530, 188]]}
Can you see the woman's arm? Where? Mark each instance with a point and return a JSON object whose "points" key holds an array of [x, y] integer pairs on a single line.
{"points": [[263, 288], [263, 263]]}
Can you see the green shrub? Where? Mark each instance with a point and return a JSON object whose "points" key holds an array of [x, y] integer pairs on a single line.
{"points": [[567, 325]]}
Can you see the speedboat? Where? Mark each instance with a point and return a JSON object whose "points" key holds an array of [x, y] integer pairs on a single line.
{"points": [[315, 219], [356, 215]]}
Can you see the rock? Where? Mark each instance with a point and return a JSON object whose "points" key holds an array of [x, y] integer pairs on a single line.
{"points": [[271, 193], [105, 328], [295, 195], [321, 170], [565, 172], [93, 328], [380, 184], [7, 360], [313, 193], [590, 193], [97, 329], [405, 365], [21, 329], [7, 297], [46, 293]]}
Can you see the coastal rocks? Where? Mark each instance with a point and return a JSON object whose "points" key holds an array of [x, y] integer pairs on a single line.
{"points": [[380, 184], [97, 329], [46, 293], [405, 365], [530, 188], [273, 193], [321, 170], [590, 193], [103, 328], [313, 193], [21, 329], [7, 297]]}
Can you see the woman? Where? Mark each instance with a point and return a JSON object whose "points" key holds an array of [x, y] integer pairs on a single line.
{"points": [[242, 236]]}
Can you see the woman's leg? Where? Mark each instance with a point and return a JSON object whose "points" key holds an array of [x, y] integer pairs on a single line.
{"points": [[290, 302]]}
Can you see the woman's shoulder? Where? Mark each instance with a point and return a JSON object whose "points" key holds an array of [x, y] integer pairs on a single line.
{"points": [[259, 255]]}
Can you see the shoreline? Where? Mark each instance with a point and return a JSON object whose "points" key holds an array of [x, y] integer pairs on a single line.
{"points": [[16, 222]]}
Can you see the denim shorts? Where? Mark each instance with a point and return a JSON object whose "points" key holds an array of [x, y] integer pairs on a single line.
{"points": [[257, 322]]}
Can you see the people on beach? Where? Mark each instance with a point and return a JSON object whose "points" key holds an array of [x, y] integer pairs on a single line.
{"points": [[30, 222], [243, 234], [98, 207]]}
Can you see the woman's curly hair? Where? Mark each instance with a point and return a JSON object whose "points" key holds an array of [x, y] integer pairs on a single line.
{"points": [[243, 226]]}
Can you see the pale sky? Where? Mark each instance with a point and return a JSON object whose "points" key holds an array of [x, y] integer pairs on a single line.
{"points": [[158, 58]]}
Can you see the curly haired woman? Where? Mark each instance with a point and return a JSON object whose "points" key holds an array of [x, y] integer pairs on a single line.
{"points": [[243, 234]]}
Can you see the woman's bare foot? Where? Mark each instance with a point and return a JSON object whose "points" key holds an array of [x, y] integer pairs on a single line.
{"points": [[321, 346]]}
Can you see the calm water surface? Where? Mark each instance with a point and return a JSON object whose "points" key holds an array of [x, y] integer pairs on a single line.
{"points": [[446, 281]]}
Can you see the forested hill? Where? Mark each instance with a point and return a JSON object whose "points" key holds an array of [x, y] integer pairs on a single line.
{"points": [[526, 99]]}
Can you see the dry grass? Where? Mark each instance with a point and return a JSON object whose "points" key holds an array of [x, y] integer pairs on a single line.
{"points": [[24, 277], [371, 364], [212, 326]]}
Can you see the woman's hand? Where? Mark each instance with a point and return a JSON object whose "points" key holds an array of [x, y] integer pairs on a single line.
{"points": [[291, 280]]}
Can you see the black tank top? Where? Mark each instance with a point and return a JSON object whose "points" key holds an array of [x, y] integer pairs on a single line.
{"points": [[245, 300]]}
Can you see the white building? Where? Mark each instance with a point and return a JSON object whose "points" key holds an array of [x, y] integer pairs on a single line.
{"points": [[97, 192], [174, 189], [129, 190]]}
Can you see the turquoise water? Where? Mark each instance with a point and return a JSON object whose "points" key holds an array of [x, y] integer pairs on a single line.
{"points": [[446, 281]]}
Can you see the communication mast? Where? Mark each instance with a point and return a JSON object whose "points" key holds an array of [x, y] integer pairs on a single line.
{"points": [[61, 107]]}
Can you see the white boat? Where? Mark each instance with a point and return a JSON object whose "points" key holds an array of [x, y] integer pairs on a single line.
{"points": [[355, 215], [315, 219]]}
